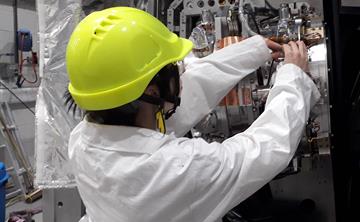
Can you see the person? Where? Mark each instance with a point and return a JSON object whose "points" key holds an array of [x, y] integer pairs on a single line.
{"points": [[129, 158]]}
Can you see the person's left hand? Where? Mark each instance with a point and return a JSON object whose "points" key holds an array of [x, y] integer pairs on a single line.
{"points": [[277, 50]]}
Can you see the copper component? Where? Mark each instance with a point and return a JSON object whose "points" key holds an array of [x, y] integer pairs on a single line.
{"points": [[280, 40], [311, 36], [246, 96], [309, 39], [222, 43], [232, 98]]}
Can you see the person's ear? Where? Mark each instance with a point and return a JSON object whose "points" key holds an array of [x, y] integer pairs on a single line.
{"points": [[152, 90]]}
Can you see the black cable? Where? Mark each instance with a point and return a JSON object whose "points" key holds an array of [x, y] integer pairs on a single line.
{"points": [[270, 6], [252, 16], [282, 175], [270, 74], [355, 91], [17, 97], [260, 77], [266, 19], [256, 25]]}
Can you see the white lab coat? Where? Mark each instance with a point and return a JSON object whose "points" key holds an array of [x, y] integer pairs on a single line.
{"points": [[132, 174]]}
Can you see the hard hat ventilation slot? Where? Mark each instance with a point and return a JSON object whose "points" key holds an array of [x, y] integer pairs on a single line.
{"points": [[113, 17], [106, 23], [100, 32]]}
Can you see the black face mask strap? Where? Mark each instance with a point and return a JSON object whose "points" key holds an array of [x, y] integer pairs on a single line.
{"points": [[176, 102], [167, 93], [152, 100], [160, 102], [169, 113]]}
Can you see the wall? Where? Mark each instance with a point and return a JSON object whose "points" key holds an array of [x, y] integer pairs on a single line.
{"points": [[24, 120]]}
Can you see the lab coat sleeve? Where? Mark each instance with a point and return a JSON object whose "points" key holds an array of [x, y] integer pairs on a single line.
{"points": [[242, 164], [207, 80]]}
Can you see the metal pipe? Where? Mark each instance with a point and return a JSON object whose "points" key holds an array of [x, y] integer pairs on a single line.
{"points": [[244, 22], [142, 5], [15, 16]]}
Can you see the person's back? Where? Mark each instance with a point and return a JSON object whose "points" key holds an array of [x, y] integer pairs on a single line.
{"points": [[127, 178], [126, 170]]}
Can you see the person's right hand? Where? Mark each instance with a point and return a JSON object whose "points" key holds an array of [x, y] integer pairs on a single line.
{"points": [[296, 53], [276, 49]]}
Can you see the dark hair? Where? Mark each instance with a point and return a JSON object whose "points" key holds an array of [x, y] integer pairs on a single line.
{"points": [[123, 115]]}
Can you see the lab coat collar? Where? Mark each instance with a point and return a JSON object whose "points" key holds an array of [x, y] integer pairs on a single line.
{"points": [[122, 138]]}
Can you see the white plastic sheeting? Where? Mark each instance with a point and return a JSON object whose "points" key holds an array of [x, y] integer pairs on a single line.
{"points": [[57, 20]]}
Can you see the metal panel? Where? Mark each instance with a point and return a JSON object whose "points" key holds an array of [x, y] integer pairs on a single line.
{"points": [[315, 184], [62, 205], [350, 3]]}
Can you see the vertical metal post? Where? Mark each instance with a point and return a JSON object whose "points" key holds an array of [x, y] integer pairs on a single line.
{"points": [[15, 16]]}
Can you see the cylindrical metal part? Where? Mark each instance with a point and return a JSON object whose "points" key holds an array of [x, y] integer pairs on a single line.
{"points": [[207, 17], [260, 94], [284, 12]]}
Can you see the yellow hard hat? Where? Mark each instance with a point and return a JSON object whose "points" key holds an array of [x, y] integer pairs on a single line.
{"points": [[113, 54]]}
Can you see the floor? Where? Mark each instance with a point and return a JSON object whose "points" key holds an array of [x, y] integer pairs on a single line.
{"points": [[23, 206]]}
